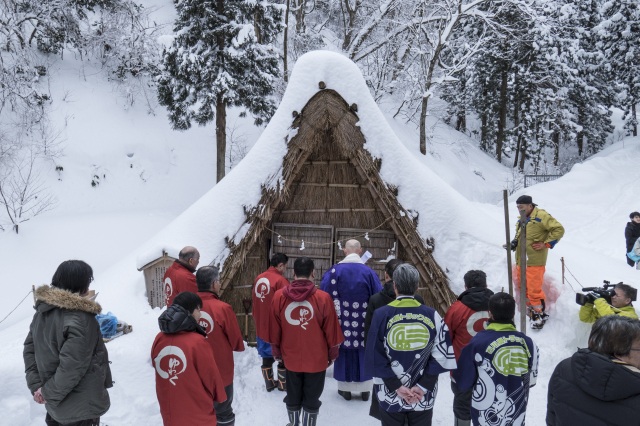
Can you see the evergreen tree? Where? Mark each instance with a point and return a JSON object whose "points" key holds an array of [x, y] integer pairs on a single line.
{"points": [[619, 34], [590, 91], [222, 56]]}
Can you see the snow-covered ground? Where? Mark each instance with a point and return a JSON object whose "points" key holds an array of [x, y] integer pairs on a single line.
{"points": [[153, 174]]}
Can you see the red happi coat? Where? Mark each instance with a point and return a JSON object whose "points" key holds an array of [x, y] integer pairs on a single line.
{"points": [[264, 288], [187, 379], [178, 279], [304, 325], [223, 332]]}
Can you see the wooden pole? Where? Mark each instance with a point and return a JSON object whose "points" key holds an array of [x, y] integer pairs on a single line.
{"points": [[505, 197], [522, 248]]}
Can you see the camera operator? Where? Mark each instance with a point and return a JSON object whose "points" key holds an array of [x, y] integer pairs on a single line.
{"points": [[597, 306], [599, 385]]}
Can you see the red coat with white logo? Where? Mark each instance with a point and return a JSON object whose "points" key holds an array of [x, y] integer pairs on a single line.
{"points": [[264, 288], [223, 332], [178, 278], [467, 316], [187, 379], [304, 327]]}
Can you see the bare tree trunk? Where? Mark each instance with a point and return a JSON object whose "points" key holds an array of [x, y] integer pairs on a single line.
{"points": [[484, 132], [461, 113], [634, 118], [350, 23], [221, 137], [555, 137], [423, 125], [502, 116], [300, 12], [285, 47], [221, 112], [516, 125]]}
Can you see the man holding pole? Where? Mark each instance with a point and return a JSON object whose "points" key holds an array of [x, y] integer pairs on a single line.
{"points": [[542, 233]]}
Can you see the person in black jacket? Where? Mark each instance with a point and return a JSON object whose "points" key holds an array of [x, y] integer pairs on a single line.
{"points": [[631, 234], [599, 385], [378, 300]]}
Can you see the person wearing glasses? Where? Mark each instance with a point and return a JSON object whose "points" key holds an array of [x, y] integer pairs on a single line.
{"points": [[621, 304], [599, 385]]}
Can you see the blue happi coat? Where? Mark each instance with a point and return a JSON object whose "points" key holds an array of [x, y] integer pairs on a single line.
{"points": [[408, 342], [501, 364], [350, 284]]}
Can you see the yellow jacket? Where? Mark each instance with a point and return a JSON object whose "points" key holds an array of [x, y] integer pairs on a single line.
{"points": [[542, 227], [590, 312]]}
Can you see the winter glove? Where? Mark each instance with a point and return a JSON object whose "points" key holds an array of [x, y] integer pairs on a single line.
{"points": [[333, 353], [592, 296], [514, 244], [275, 351]]}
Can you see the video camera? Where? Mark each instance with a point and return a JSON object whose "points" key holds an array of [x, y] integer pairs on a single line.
{"points": [[606, 291]]}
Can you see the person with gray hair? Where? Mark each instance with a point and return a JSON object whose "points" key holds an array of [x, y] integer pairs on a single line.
{"points": [[223, 335], [351, 283], [601, 384], [378, 300], [408, 346], [179, 276]]}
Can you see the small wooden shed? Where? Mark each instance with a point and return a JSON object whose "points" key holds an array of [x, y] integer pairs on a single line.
{"points": [[153, 279]]}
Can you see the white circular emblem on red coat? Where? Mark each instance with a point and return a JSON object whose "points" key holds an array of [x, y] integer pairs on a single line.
{"points": [[299, 313], [477, 322], [206, 322], [262, 288], [170, 362]]}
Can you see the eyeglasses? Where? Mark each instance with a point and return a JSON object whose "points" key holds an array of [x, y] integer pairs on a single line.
{"points": [[634, 349]]}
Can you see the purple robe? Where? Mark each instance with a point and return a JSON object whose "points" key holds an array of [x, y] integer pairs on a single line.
{"points": [[350, 283]]}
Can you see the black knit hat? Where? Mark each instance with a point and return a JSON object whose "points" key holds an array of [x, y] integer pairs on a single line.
{"points": [[525, 199], [633, 214]]}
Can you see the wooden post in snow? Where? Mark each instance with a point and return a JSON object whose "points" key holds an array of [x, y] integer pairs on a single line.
{"points": [[505, 197], [522, 250]]}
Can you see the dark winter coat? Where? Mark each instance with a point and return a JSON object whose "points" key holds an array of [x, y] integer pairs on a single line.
{"points": [[631, 234], [380, 299], [64, 354], [187, 378], [590, 389]]}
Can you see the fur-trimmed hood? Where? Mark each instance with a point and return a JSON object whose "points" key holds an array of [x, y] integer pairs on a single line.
{"points": [[64, 299]]}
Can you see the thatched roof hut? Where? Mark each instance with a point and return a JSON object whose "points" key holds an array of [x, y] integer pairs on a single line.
{"points": [[314, 180], [331, 191]]}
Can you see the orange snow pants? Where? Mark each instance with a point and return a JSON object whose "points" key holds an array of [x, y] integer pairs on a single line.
{"points": [[535, 278]]}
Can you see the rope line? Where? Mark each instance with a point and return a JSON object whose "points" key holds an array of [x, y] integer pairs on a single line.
{"points": [[7, 316], [311, 243], [573, 276]]}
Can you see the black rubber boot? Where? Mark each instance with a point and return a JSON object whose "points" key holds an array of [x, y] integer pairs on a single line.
{"points": [[345, 394], [267, 374], [294, 416], [308, 418], [282, 378], [365, 396]]}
